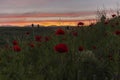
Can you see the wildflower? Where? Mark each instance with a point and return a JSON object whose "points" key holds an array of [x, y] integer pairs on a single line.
{"points": [[27, 33], [106, 22], [117, 32], [74, 33], [31, 45], [47, 38], [110, 57], [38, 38], [114, 15], [60, 32], [16, 48], [61, 48], [80, 24], [81, 48], [15, 42], [94, 47]]}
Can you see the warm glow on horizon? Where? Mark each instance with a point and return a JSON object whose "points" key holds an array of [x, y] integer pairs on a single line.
{"points": [[47, 23]]}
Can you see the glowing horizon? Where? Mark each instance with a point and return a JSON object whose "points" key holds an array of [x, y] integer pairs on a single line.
{"points": [[48, 23]]}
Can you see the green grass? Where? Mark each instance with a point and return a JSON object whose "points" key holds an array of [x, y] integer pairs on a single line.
{"points": [[43, 63]]}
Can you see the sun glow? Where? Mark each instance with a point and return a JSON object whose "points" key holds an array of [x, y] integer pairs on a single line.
{"points": [[48, 23]]}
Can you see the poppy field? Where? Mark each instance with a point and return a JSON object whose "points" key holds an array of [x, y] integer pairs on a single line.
{"points": [[67, 53]]}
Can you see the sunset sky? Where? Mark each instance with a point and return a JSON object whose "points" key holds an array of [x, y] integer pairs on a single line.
{"points": [[52, 12]]}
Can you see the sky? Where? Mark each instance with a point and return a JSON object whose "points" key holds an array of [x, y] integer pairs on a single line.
{"points": [[52, 12]]}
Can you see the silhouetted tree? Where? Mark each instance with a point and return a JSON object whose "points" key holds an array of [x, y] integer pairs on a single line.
{"points": [[32, 25], [38, 25]]}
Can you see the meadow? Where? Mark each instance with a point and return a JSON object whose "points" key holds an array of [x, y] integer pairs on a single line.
{"points": [[66, 53]]}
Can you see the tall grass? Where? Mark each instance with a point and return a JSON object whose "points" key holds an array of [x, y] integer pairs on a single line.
{"points": [[98, 60]]}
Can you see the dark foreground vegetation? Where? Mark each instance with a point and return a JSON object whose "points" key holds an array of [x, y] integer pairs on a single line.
{"points": [[80, 53]]}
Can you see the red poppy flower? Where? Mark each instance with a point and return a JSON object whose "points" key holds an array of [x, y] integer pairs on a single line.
{"points": [[31, 45], [74, 33], [80, 24], [47, 38], [106, 22], [110, 57], [61, 48], [114, 15], [38, 38], [81, 48], [60, 32], [117, 32], [15, 42], [16, 48], [94, 47], [27, 33]]}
